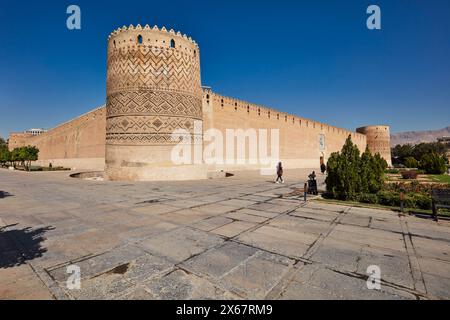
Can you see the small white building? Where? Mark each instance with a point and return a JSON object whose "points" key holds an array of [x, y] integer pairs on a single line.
{"points": [[35, 132]]}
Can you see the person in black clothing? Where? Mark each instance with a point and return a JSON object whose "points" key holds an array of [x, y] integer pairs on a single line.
{"points": [[323, 168], [279, 173]]}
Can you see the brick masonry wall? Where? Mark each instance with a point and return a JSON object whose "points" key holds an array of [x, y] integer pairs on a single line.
{"points": [[79, 143], [299, 137]]}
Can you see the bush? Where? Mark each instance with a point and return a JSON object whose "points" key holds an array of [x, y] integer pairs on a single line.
{"points": [[409, 201], [392, 171], [411, 162], [368, 198], [421, 201], [5, 155], [388, 198], [432, 163], [327, 195], [350, 174], [343, 178], [409, 174]]}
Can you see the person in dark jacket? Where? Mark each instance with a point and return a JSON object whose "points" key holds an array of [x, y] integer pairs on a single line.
{"points": [[323, 168], [279, 173]]}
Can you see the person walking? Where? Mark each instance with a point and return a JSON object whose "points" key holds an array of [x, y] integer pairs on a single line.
{"points": [[323, 168], [279, 173]]}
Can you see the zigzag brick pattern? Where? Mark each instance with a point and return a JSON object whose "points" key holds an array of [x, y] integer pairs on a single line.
{"points": [[152, 90]]}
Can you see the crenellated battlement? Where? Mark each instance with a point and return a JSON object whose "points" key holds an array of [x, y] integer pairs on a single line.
{"points": [[137, 36], [271, 115]]}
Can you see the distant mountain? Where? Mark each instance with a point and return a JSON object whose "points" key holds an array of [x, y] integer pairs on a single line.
{"points": [[414, 137]]}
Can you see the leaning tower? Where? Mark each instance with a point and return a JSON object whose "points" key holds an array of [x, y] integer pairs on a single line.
{"points": [[153, 89], [378, 140]]}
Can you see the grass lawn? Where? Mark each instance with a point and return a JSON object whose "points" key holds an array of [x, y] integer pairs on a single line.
{"points": [[442, 178]]}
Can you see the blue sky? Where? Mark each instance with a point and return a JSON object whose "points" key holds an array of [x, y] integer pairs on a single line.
{"points": [[315, 59]]}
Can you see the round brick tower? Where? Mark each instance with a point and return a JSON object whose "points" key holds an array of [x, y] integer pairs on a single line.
{"points": [[378, 140], [153, 89]]}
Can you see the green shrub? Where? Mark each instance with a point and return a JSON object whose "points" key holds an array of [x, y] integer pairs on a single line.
{"points": [[350, 174], [409, 201], [392, 171], [432, 163], [411, 162], [327, 195], [343, 178], [368, 198], [388, 198], [421, 201]]}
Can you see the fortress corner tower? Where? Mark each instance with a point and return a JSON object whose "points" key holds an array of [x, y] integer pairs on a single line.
{"points": [[378, 140], [153, 89]]}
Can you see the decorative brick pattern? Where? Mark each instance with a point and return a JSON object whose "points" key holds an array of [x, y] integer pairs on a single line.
{"points": [[152, 90]]}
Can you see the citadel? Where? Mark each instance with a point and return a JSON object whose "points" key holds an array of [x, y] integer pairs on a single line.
{"points": [[154, 89]]}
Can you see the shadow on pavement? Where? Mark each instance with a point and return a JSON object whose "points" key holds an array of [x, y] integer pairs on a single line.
{"points": [[17, 246], [4, 194]]}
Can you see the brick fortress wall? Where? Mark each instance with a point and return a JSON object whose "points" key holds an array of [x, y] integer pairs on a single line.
{"points": [[154, 88], [76, 144]]}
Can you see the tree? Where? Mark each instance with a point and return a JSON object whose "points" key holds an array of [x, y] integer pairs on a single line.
{"points": [[31, 155], [349, 175], [379, 165], [3, 144], [343, 179], [411, 162], [4, 152], [24, 156], [15, 156], [433, 163], [401, 152], [426, 148], [366, 170], [5, 156]]}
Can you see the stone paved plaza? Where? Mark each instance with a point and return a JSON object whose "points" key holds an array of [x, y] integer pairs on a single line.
{"points": [[227, 238]]}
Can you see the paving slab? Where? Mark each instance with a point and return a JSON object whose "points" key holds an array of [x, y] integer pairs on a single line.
{"points": [[242, 216], [345, 285], [155, 209], [215, 209], [314, 214], [257, 276], [234, 228], [342, 255], [289, 243], [219, 238], [180, 285], [296, 224], [180, 244], [212, 223], [217, 262]]}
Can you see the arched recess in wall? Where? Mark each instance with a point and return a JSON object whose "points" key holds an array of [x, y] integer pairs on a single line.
{"points": [[139, 39], [172, 43]]}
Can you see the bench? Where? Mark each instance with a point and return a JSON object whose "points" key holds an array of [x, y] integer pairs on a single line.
{"points": [[440, 198]]}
